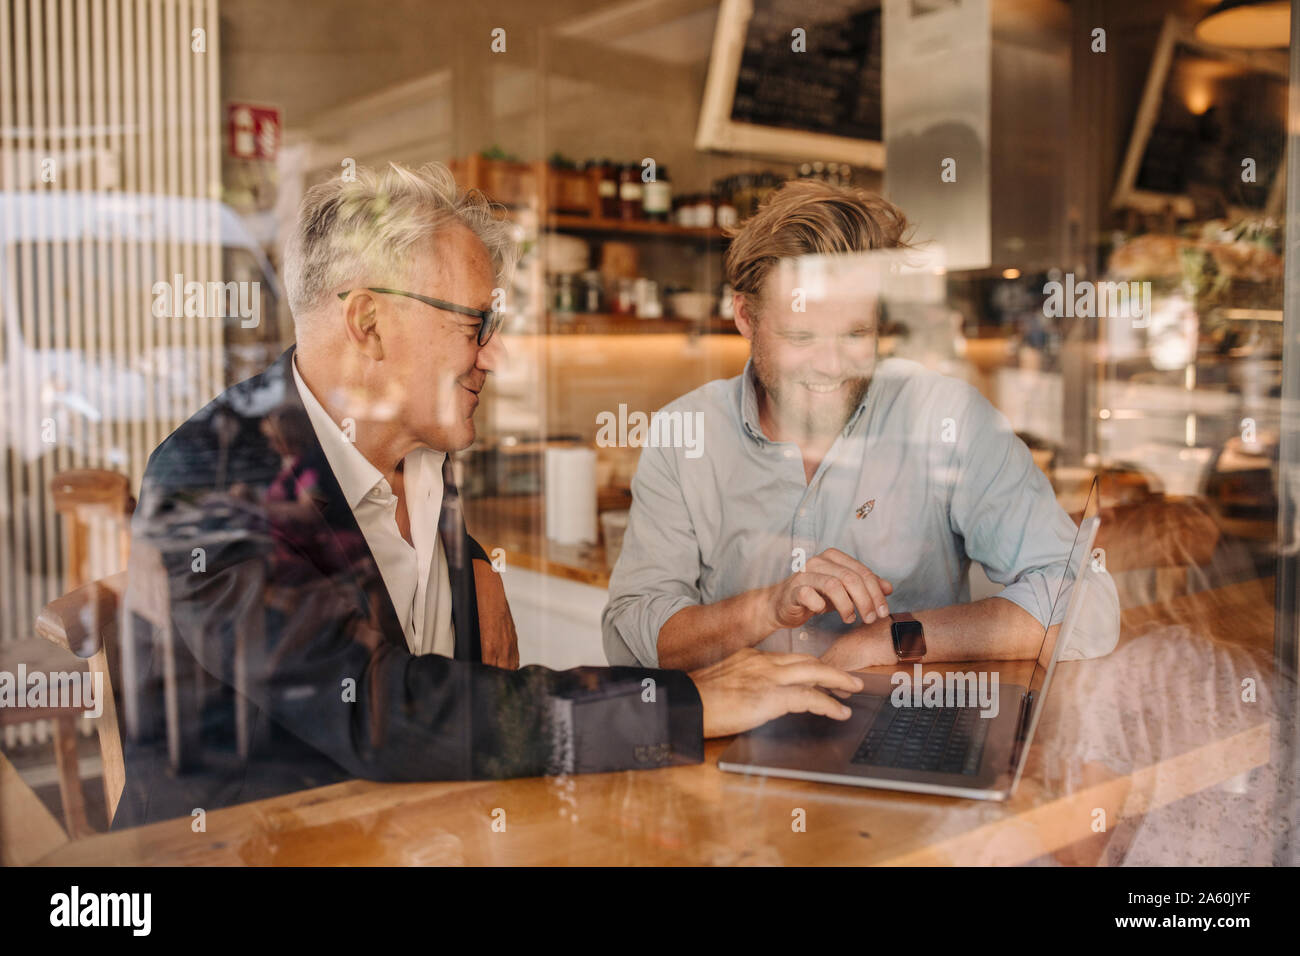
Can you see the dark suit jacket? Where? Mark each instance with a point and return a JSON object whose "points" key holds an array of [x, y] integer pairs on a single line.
{"points": [[291, 667]]}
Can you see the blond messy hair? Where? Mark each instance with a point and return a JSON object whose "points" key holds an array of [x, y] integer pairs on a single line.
{"points": [[808, 217]]}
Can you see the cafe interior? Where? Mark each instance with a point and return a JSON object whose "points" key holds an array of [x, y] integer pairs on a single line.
{"points": [[1042, 150]]}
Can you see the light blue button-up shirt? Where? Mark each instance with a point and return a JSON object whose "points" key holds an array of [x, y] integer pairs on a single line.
{"points": [[925, 477]]}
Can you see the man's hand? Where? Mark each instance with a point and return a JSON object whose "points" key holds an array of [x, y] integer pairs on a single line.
{"points": [[831, 579], [496, 626], [750, 688]]}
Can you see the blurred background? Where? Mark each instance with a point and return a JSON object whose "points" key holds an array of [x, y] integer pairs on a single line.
{"points": [[149, 144]]}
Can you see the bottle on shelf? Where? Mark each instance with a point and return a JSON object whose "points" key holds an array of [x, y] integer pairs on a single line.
{"points": [[646, 295], [688, 213], [607, 190], [592, 296], [725, 215], [625, 296], [565, 298], [657, 196], [630, 192]]}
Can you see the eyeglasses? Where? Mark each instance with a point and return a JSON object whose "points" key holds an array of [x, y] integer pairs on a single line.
{"points": [[489, 321]]}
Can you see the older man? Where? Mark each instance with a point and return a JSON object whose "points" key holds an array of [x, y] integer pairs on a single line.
{"points": [[838, 503], [328, 617]]}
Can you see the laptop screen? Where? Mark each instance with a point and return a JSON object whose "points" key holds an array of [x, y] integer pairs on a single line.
{"points": [[1066, 606]]}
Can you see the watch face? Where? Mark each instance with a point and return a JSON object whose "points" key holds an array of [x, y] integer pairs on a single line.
{"points": [[909, 640]]}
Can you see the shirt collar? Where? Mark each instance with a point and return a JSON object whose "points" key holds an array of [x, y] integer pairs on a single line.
{"points": [[355, 474], [749, 407]]}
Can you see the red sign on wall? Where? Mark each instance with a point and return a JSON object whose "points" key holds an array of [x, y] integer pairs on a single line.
{"points": [[253, 132]]}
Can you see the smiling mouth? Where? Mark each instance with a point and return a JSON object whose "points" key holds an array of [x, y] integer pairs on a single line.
{"points": [[822, 389]]}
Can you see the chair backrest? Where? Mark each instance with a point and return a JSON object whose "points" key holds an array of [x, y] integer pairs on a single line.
{"points": [[86, 621], [1157, 548], [80, 496], [1158, 532]]}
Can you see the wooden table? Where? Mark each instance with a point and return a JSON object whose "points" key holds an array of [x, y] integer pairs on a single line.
{"points": [[698, 814]]}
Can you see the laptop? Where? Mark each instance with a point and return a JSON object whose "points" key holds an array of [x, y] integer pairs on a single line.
{"points": [[927, 736]]}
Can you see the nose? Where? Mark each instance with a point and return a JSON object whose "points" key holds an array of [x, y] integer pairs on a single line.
{"points": [[827, 363], [492, 355]]}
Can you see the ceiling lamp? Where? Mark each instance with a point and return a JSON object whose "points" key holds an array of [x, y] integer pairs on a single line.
{"points": [[1247, 24]]}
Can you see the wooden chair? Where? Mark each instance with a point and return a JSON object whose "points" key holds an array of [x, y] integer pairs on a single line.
{"points": [[1153, 544], [96, 621], [80, 497], [83, 498], [85, 623], [41, 656]]}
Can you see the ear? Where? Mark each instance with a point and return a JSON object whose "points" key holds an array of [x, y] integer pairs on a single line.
{"points": [[743, 310], [361, 322]]}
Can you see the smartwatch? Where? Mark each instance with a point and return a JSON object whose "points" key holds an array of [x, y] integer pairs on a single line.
{"points": [[909, 638]]}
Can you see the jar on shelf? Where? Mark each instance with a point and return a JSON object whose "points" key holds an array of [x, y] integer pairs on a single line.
{"points": [[657, 196], [686, 215], [703, 212], [725, 215], [625, 296], [630, 192], [607, 190], [565, 302], [591, 295], [648, 304], [679, 204]]}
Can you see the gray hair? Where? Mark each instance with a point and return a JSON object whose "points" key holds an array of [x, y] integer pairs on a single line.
{"points": [[362, 229]]}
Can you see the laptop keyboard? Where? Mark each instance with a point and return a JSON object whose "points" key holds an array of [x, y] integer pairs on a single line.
{"points": [[941, 739]]}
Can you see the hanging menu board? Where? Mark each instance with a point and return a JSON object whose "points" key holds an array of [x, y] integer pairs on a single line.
{"points": [[833, 87], [796, 80], [1205, 112]]}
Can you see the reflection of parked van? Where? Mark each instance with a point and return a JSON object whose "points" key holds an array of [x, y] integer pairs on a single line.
{"points": [[83, 339]]}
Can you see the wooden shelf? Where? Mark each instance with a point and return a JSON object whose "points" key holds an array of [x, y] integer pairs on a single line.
{"points": [[602, 323], [539, 185], [570, 223]]}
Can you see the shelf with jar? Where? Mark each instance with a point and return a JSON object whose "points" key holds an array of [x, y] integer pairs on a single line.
{"points": [[612, 323], [564, 222], [599, 222], [603, 196]]}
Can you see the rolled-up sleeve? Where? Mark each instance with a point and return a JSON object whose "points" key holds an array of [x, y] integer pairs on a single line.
{"points": [[658, 571], [1004, 508]]}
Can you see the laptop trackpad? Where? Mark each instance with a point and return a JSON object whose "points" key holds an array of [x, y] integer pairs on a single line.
{"points": [[808, 740]]}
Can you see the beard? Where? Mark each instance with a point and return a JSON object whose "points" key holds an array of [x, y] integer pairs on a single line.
{"points": [[802, 411]]}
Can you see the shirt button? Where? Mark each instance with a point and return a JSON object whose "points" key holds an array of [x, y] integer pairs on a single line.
{"points": [[789, 453], [803, 635], [803, 512]]}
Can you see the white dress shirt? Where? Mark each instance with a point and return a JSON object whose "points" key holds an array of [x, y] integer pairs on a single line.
{"points": [[416, 577]]}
